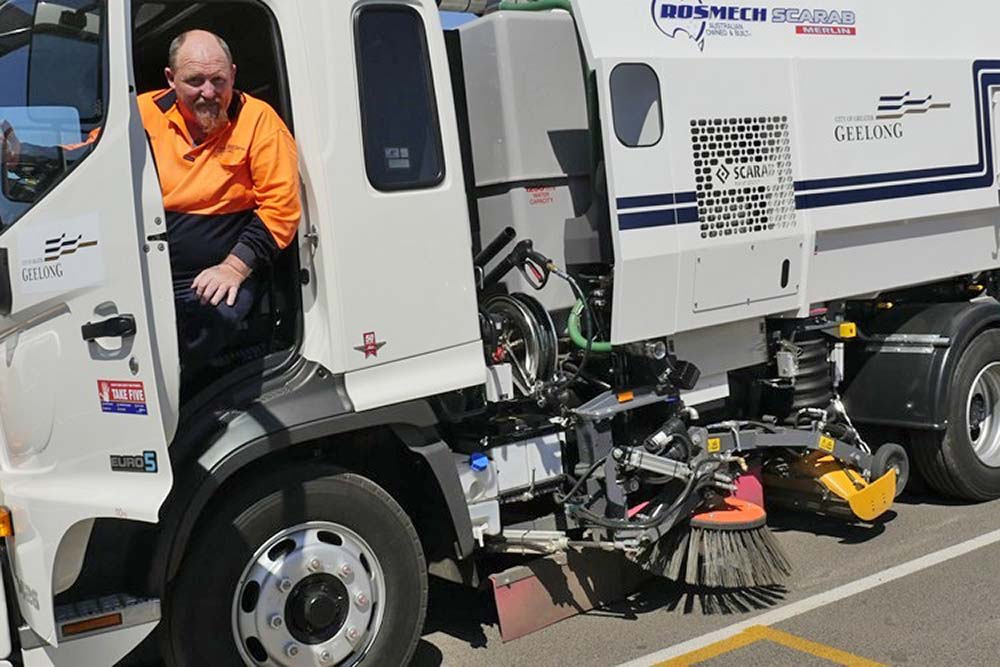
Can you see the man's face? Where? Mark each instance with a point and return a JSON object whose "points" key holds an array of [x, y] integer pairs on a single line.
{"points": [[203, 80]]}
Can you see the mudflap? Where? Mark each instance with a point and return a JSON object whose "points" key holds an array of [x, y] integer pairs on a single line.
{"points": [[545, 591]]}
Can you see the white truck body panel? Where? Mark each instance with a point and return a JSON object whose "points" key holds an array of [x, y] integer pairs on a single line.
{"points": [[889, 122], [57, 438]]}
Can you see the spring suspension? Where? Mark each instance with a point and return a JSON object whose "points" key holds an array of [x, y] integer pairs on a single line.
{"points": [[814, 378]]}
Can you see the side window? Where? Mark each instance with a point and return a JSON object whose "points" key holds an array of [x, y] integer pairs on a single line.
{"points": [[402, 135], [51, 96], [635, 103]]}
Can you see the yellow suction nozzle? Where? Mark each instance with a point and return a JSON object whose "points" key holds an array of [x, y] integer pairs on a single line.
{"points": [[867, 501]]}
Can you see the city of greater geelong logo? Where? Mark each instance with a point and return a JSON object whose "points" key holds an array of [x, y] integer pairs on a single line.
{"points": [[48, 267], [61, 255], [56, 248], [892, 107], [886, 124], [697, 20]]}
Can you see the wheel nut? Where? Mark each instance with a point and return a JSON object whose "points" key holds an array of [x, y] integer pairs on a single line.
{"points": [[291, 650], [285, 585], [324, 656], [353, 635], [362, 600], [315, 565], [345, 570], [276, 621]]}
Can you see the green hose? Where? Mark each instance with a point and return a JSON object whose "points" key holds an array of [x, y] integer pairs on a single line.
{"points": [[577, 337]]}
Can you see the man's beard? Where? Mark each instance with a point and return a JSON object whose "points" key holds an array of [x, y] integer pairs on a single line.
{"points": [[211, 116]]}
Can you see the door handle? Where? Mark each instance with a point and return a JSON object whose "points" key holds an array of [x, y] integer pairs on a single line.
{"points": [[117, 327]]}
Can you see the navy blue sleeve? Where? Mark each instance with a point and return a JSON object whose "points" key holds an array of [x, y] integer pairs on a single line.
{"points": [[256, 246]]}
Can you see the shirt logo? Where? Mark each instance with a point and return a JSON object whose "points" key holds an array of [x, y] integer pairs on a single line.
{"points": [[229, 149]]}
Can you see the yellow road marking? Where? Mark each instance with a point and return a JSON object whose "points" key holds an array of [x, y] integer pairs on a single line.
{"points": [[759, 633]]}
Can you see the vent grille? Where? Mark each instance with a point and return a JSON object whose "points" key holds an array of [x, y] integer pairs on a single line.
{"points": [[743, 175]]}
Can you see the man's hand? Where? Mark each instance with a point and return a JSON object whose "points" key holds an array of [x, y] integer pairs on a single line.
{"points": [[221, 282]]}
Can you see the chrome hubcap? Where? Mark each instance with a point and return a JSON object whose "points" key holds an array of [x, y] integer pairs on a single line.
{"points": [[982, 411], [311, 595]]}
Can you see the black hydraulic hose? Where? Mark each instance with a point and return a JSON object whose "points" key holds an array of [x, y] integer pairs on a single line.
{"points": [[654, 522], [561, 499]]}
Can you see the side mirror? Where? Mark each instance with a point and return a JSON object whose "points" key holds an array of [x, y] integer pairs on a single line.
{"points": [[31, 154], [28, 170], [8, 158]]}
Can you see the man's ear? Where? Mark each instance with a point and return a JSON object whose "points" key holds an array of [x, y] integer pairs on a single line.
{"points": [[234, 74], [169, 73]]}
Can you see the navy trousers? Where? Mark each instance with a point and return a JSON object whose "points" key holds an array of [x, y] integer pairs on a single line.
{"points": [[203, 331]]}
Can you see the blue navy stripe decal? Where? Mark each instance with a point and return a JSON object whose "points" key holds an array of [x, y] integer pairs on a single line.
{"points": [[645, 220], [894, 185], [687, 215], [664, 210], [650, 201], [644, 202]]}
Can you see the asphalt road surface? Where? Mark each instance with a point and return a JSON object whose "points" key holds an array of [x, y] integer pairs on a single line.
{"points": [[920, 588]]}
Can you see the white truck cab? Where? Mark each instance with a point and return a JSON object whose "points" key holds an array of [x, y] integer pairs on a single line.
{"points": [[551, 264]]}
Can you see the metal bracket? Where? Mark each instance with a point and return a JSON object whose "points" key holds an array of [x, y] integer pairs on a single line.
{"points": [[607, 405], [746, 441]]}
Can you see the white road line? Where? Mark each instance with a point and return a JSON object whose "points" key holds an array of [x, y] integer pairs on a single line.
{"points": [[794, 609]]}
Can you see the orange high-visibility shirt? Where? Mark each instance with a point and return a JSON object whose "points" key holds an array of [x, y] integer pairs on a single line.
{"points": [[235, 193]]}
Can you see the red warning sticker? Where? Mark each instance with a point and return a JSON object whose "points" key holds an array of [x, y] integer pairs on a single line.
{"points": [[123, 398], [541, 196]]}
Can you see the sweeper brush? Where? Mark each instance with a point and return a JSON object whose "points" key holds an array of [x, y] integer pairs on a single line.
{"points": [[728, 547]]}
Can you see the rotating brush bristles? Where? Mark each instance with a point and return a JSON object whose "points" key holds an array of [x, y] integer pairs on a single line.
{"points": [[726, 547]]}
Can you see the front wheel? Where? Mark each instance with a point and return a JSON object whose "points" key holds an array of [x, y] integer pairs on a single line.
{"points": [[888, 457], [964, 461], [300, 567]]}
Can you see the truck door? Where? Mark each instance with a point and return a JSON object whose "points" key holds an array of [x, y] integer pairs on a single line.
{"points": [[88, 353]]}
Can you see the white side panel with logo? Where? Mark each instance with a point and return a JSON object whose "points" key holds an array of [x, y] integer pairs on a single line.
{"points": [[807, 154], [86, 405], [719, 184], [900, 175]]}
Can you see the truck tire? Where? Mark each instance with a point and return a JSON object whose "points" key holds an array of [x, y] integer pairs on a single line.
{"points": [[964, 461], [305, 565]]}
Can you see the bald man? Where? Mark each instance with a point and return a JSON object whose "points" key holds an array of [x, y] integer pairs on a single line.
{"points": [[228, 170]]}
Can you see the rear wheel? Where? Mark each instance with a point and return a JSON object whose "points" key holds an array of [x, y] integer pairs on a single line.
{"points": [[964, 461], [305, 566]]}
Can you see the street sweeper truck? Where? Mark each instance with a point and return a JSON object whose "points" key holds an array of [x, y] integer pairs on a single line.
{"points": [[580, 276]]}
